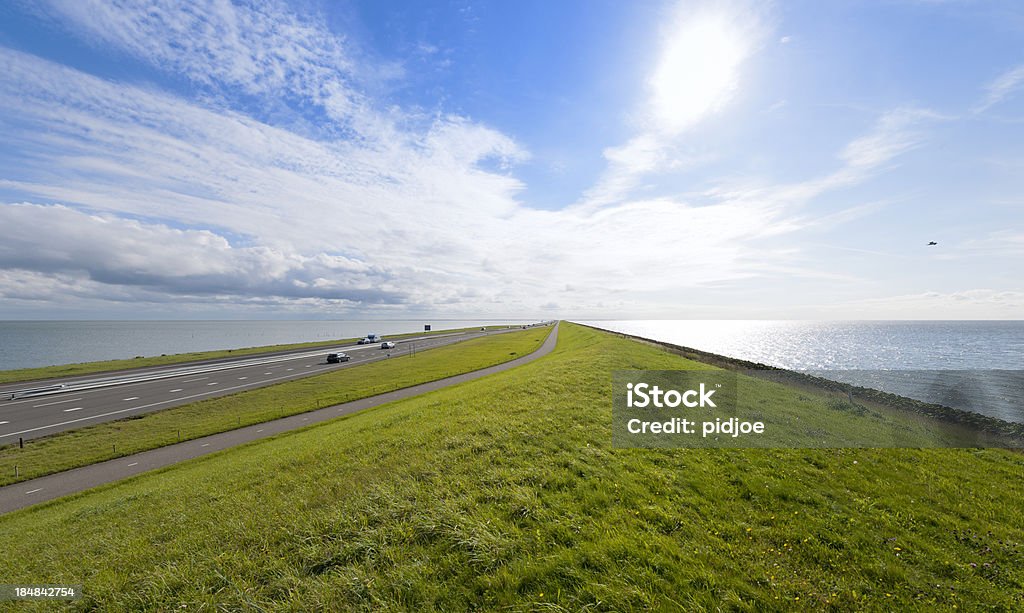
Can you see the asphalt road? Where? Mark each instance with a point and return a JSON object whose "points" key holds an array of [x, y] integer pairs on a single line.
{"points": [[35, 491], [92, 399]]}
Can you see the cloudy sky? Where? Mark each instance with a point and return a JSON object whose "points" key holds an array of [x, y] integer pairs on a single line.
{"points": [[577, 159]]}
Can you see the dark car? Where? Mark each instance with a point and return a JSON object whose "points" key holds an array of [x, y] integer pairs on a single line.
{"points": [[334, 358]]}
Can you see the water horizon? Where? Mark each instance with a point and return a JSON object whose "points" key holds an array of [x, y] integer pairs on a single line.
{"points": [[974, 365]]}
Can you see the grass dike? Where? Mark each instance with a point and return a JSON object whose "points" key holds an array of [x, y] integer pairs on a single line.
{"points": [[506, 493]]}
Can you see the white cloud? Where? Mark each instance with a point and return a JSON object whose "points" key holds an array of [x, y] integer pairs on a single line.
{"points": [[894, 133], [980, 303], [1001, 88], [998, 243], [129, 253], [263, 48]]}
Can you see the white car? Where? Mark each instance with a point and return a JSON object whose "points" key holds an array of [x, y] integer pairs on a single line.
{"points": [[387, 345]]}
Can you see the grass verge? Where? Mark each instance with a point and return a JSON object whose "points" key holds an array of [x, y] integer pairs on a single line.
{"points": [[505, 493], [91, 368], [105, 441]]}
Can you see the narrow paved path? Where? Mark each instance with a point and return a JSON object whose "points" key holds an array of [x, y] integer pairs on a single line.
{"points": [[35, 491]]}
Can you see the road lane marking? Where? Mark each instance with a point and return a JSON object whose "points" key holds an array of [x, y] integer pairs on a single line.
{"points": [[119, 411], [291, 369], [133, 464], [309, 366], [191, 380], [4, 422], [214, 383], [242, 378], [38, 489], [177, 390], [260, 430], [268, 373], [132, 398], [74, 409], [244, 363], [205, 445], [36, 406]]}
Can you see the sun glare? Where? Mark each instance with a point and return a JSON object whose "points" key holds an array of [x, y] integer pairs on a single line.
{"points": [[697, 71]]}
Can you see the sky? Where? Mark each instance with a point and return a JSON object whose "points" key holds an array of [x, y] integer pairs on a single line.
{"points": [[588, 159]]}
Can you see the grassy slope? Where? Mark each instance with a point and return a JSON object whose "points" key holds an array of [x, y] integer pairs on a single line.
{"points": [[91, 444], [506, 493], [89, 368]]}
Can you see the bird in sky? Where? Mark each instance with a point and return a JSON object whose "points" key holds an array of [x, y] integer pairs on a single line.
{"points": [[930, 243]]}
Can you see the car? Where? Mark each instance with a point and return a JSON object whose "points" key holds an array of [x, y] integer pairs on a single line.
{"points": [[335, 358], [363, 341], [387, 345]]}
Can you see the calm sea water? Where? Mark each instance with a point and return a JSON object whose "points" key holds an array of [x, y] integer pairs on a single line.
{"points": [[26, 344], [971, 365]]}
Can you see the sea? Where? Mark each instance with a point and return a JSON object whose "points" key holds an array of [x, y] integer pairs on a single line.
{"points": [[28, 344], [971, 365]]}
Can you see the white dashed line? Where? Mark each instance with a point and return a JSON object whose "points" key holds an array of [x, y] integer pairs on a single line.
{"points": [[38, 489], [36, 406], [260, 430], [4, 422], [205, 445], [214, 383], [242, 378], [177, 390], [132, 398], [268, 373], [133, 464], [191, 380], [118, 412], [291, 369], [74, 409]]}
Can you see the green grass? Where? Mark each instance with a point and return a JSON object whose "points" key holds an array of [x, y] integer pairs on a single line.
{"points": [[90, 368], [105, 441], [506, 494]]}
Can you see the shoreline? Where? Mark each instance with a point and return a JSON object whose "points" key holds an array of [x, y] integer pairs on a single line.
{"points": [[975, 421]]}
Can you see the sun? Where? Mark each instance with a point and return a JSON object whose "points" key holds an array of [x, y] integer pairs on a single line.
{"points": [[697, 71]]}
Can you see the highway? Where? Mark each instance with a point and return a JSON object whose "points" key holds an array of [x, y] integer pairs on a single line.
{"points": [[88, 400], [50, 487]]}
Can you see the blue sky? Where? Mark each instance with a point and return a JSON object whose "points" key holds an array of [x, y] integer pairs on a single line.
{"points": [[597, 159]]}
